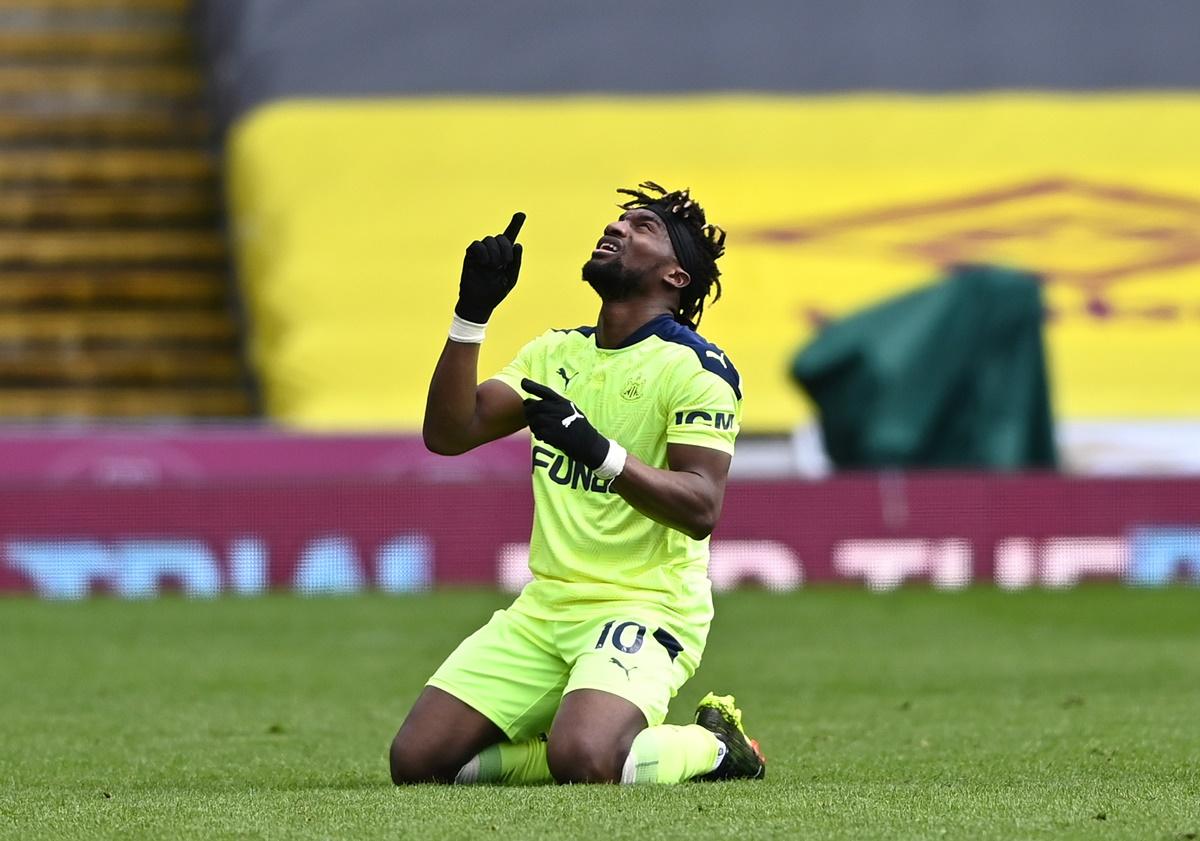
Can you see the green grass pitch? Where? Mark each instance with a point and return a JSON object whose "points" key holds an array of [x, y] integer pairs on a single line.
{"points": [[917, 714]]}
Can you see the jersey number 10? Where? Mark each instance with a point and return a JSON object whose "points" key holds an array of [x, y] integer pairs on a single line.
{"points": [[619, 635]]}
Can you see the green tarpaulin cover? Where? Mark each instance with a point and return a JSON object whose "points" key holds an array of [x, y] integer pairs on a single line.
{"points": [[952, 375]]}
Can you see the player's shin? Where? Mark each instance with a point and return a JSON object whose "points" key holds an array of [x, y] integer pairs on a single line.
{"points": [[671, 754], [509, 763]]}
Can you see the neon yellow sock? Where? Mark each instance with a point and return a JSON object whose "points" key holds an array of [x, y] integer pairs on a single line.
{"points": [[509, 764], [669, 753]]}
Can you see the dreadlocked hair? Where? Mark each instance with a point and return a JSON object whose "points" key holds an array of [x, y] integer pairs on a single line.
{"points": [[709, 241]]}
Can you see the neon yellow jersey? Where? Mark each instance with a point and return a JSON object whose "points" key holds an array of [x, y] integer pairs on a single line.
{"points": [[665, 385]]}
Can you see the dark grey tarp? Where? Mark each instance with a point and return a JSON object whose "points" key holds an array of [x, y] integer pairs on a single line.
{"points": [[261, 50]]}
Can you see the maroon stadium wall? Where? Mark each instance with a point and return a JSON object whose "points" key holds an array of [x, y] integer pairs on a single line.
{"points": [[244, 513]]}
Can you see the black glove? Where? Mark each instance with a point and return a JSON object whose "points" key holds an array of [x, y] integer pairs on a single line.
{"points": [[489, 272], [557, 421]]}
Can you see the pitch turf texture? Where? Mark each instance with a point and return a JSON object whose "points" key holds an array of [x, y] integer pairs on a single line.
{"points": [[917, 714]]}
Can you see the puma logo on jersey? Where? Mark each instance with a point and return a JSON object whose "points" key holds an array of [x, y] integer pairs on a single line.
{"points": [[562, 372], [720, 357], [567, 421], [622, 667]]}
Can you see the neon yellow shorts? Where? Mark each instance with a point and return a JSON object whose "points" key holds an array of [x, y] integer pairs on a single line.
{"points": [[516, 668]]}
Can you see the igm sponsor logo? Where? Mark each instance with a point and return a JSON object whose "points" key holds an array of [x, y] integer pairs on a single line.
{"points": [[717, 420], [568, 472]]}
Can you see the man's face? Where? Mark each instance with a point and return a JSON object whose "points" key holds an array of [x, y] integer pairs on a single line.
{"points": [[634, 253]]}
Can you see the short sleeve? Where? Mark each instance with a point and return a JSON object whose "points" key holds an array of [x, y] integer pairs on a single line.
{"points": [[521, 365], [704, 411]]}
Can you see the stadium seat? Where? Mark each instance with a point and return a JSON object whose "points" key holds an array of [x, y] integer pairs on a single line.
{"points": [[144, 82], [113, 166], [66, 288], [99, 366], [70, 44], [52, 6], [130, 326], [144, 124], [87, 205], [121, 403], [114, 279], [109, 246]]}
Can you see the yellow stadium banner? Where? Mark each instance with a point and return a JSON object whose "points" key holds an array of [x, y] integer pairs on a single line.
{"points": [[350, 219]]}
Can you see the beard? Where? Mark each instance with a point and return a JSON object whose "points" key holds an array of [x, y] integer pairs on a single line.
{"points": [[611, 280]]}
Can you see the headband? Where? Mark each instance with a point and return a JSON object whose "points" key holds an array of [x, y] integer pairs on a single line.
{"points": [[686, 251]]}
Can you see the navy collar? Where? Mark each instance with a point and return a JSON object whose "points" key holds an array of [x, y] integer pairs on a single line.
{"points": [[650, 328]]}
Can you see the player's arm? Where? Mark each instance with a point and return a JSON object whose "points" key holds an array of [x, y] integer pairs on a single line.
{"points": [[460, 412], [687, 496]]}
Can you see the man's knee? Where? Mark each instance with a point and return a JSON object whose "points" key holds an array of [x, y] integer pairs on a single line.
{"points": [[585, 758], [440, 734], [413, 763]]}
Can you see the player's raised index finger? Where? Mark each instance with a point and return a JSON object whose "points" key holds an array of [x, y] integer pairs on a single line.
{"points": [[514, 227]]}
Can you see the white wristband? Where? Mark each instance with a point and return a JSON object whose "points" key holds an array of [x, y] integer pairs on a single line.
{"points": [[465, 331], [614, 462]]}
